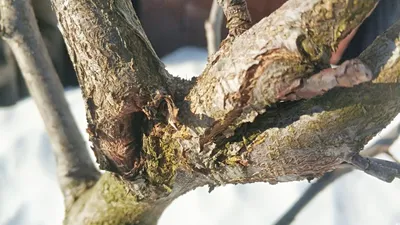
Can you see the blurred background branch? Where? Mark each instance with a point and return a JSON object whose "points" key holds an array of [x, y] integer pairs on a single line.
{"points": [[213, 28]]}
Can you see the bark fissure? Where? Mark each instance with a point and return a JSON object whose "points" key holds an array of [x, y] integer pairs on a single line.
{"points": [[231, 126], [117, 78]]}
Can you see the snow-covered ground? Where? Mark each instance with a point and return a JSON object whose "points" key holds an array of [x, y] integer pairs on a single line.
{"points": [[29, 192]]}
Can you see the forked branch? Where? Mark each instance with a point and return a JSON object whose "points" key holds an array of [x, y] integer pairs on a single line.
{"points": [[232, 127]]}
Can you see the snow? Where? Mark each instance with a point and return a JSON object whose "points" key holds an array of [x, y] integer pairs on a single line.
{"points": [[29, 192]]}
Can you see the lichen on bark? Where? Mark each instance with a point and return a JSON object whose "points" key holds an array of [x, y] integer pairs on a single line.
{"points": [[231, 126]]}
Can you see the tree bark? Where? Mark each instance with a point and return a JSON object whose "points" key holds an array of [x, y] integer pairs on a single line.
{"points": [[125, 75], [232, 126]]}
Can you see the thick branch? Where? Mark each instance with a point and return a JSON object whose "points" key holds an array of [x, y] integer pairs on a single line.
{"points": [[349, 119], [114, 201], [76, 172], [212, 142], [280, 50], [240, 83], [119, 73]]}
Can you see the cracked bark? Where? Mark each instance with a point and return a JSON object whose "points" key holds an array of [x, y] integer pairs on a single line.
{"points": [[237, 15], [232, 126]]}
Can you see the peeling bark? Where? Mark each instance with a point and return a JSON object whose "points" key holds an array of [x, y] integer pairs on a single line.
{"points": [[232, 126], [278, 52], [118, 72]]}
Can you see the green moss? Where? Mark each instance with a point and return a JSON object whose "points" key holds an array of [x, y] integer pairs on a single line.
{"points": [[110, 200], [162, 157], [114, 189]]}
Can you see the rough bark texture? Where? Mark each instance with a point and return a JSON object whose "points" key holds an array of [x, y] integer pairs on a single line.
{"points": [[237, 15], [232, 126], [125, 74]]}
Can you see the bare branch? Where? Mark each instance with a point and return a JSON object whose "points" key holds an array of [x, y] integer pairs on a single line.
{"points": [[120, 76], [312, 191], [238, 18], [76, 171], [348, 74], [320, 132], [278, 54], [213, 28], [212, 142], [382, 169]]}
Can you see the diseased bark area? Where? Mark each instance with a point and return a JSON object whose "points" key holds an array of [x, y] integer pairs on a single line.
{"points": [[118, 73], [277, 52], [232, 126]]}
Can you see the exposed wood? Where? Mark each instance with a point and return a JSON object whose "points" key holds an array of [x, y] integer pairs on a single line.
{"points": [[231, 127], [119, 74]]}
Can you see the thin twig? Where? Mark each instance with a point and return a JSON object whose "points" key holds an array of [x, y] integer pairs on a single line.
{"points": [[238, 18], [75, 170], [213, 28], [382, 169]]}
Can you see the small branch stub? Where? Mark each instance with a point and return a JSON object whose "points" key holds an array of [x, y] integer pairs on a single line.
{"points": [[237, 16]]}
